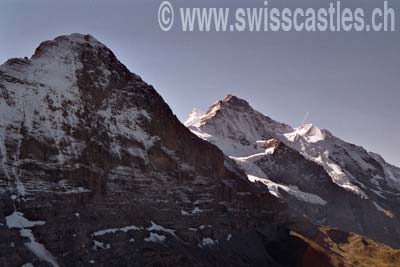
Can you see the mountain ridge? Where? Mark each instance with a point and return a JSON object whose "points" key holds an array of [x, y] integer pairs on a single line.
{"points": [[95, 169], [247, 136]]}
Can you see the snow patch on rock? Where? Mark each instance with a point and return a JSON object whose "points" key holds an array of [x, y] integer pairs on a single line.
{"points": [[290, 189], [17, 220], [100, 245], [155, 238], [38, 249], [160, 228], [208, 242], [115, 230]]}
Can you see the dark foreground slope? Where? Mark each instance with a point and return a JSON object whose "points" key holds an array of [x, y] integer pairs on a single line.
{"points": [[96, 170]]}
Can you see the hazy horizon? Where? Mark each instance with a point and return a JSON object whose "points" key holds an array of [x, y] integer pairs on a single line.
{"points": [[348, 82]]}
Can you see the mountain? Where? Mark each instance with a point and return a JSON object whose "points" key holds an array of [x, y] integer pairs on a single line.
{"points": [[332, 182], [95, 170]]}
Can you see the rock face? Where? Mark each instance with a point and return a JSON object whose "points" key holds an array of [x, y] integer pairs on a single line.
{"points": [[328, 180], [95, 170]]}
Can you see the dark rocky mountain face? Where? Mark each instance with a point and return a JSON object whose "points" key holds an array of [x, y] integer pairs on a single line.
{"points": [[95, 170], [330, 181], [343, 209]]}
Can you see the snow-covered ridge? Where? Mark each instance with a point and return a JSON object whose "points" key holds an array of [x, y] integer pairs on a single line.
{"points": [[255, 174], [317, 145], [238, 130], [392, 173]]}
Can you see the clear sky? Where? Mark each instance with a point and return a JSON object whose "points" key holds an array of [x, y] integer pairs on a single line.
{"points": [[349, 82]]}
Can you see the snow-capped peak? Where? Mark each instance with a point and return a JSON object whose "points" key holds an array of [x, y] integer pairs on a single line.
{"points": [[310, 132], [49, 55], [54, 62], [235, 101], [194, 117], [64, 44], [230, 102], [233, 125]]}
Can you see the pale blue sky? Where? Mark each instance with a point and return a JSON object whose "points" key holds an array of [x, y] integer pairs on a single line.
{"points": [[349, 82]]}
